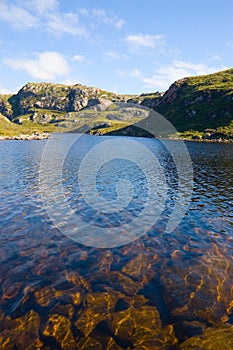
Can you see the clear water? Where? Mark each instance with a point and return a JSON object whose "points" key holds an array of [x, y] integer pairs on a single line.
{"points": [[56, 293]]}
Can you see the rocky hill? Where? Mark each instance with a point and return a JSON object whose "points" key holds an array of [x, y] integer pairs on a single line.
{"points": [[69, 107], [201, 105], [198, 107]]}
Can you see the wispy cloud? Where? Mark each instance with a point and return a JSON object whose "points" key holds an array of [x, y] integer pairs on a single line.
{"points": [[135, 73], [17, 16], [114, 55], [166, 75], [132, 73], [68, 23], [48, 16], [79, 58], [41, 6], [145, 41], [215, 57], [46, 65], [102, 16], [44, 14]]}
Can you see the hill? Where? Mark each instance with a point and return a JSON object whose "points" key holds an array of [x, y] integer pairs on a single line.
{"points": [[199, 107], [48, 106]]}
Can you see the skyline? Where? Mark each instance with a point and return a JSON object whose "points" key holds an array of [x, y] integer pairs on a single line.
{"points": [[124, 47]]}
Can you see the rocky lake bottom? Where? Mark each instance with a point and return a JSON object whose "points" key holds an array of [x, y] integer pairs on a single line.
{"points": [[164, 290]]}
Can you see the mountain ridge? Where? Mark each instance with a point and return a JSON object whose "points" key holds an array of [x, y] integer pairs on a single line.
{"points": [[198, 107]]}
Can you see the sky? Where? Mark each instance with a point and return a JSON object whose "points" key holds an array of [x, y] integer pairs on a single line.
{"points": [[123, 46]]}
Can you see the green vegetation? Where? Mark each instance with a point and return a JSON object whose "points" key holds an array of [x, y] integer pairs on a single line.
{"points": [[8, 128], [108, 128], [199, 108], [195, 104], [216, 81]]}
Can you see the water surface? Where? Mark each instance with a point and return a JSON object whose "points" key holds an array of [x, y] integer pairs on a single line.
{"points": [[161, 291]]}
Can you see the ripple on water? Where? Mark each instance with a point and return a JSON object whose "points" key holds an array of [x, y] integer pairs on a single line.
{"points": [[161, 290]]}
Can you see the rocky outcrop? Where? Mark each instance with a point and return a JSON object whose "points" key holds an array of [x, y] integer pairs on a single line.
{"points": [[50, 97], [151, 100], [5, 106], [38, 100], [58, 97]]}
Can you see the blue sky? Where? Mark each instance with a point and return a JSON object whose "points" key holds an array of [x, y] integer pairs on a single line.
{"points": [[123, 46]]}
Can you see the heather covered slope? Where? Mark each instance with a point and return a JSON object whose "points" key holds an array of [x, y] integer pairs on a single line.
{"points": [[200, 103]]}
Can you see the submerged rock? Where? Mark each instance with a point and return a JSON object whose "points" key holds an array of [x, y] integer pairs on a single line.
{"points": [[88, 320], [89, 344], [21, 333], [198, 291], [219, 337], [59, 327], [98, 307], [139, 267], [142, 328]]}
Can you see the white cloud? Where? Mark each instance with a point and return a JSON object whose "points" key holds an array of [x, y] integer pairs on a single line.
{"points": [[45, 66], [114, 55], [69, 82], [41, 13], [140, 41], [48, 15], [135, 73], [102, 16], [65, 23], [166, 75], [41, 6], [79, 58], [215, 57], [17, 16], [132, 73]]}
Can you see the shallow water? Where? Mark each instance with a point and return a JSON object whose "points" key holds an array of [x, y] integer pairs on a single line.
{"points": [[163, 290]]}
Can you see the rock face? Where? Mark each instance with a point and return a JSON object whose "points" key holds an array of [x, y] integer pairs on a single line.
{"points": [[5, 106], [56, 97]]}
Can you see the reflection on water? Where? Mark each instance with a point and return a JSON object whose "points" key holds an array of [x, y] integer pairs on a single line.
{"points": [[163, 291]]}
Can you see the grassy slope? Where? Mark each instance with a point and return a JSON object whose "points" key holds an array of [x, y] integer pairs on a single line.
{"points": [[8, 128], [202, 102]]}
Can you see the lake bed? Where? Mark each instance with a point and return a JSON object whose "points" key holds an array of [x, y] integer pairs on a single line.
{"points": [[163, 290]]}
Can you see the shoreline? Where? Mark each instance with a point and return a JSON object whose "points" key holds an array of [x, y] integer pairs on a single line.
{"points": [[206, 140], [26, 137], [45, 135]]}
